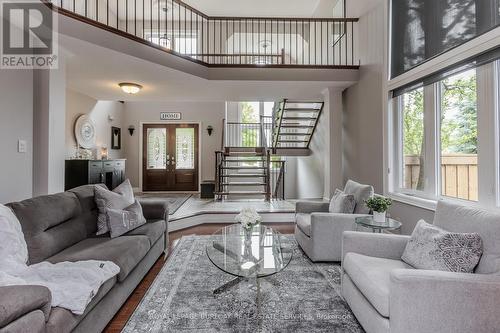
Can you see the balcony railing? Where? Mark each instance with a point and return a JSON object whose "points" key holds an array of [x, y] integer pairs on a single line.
{"points": [[179, 29]]}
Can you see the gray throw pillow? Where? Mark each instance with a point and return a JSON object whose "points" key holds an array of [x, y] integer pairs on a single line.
{"points": [[361, 193], [433, 248], [122, 221], [342, 203], [120, 198]]}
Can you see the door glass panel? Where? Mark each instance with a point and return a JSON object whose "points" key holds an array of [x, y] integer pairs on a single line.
{"points": [[185, 148], [157, 149]]}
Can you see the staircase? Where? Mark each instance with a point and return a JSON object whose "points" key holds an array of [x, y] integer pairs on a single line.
{"points": [[243, 173], [294, 124], [250, 165]]}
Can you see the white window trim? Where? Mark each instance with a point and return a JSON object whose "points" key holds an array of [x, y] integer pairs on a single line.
{"points": [[488, 98]]}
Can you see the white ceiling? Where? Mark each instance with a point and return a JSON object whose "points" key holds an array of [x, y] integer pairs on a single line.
{"points": [[96, 72], [280, 8]]}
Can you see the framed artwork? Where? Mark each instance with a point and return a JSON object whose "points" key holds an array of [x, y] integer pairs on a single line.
{"points": [[116, 138]]}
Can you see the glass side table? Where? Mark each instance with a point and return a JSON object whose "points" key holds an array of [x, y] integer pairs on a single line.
{"points": [[378, 227]]}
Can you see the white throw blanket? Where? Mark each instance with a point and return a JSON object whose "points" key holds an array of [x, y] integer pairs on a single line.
{"points": [[72, 285]]}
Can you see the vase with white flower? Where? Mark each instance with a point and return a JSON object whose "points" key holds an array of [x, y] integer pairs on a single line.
{"points": [[248, 218]]}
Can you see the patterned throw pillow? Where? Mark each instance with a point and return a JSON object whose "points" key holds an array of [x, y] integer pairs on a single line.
{"points": [[433, 248], [122, 221], [120, 198], [342, 203]]}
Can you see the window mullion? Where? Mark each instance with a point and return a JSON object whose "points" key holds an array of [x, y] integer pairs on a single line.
{"points": [[431, 139], [487, 126]]}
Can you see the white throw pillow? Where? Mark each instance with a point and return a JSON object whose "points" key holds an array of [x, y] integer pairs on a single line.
{"points": [[12, 242], [342, 203], [433, 248], [120, 198]]}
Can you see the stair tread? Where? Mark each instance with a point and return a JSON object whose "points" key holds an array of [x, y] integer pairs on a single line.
{"points": [[296, 126], [243, 175], [293, 141], [244, 167], [241, 193], [243, 184], [299, 118], [302, 110]]}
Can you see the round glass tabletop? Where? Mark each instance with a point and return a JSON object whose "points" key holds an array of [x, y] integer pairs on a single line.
{"points": [[259, 252], [369, 222]]}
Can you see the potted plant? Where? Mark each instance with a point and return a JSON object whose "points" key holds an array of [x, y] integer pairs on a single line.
{"points": [[379, 206]]}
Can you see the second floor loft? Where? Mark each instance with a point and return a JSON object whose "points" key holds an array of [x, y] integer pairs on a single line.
{"points": [[179, 29]]}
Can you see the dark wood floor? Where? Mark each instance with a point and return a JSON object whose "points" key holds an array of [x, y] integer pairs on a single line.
{"points": [[121, 318]]}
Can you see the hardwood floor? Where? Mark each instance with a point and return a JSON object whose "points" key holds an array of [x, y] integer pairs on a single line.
{"points": [[121, 318]]}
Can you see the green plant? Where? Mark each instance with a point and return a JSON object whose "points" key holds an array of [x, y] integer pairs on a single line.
{"points": [[378, 204]]}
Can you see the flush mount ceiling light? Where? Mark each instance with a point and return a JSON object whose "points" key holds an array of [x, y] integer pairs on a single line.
{"points": [[130, 88]]}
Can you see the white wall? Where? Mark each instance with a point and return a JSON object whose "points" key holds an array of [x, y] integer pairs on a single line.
{"points": [[99, 111], [363, 127], [16, 122], [205, 113]]}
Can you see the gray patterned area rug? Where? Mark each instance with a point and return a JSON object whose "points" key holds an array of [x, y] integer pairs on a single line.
{"points": [[305, 297]]}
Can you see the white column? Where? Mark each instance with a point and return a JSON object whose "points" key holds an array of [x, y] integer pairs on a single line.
{"points": [[49, 111], [333, 110]]}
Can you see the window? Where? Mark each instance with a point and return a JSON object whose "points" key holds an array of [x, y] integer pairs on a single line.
{"points": [[458, 136], [413, 140], [445, 137]]}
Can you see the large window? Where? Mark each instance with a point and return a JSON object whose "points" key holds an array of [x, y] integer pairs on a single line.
{"points": [[458, 136], [445, 142], [412, 117]]}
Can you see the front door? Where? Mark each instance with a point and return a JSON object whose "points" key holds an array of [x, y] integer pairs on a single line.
{"points": [[170, 157]]}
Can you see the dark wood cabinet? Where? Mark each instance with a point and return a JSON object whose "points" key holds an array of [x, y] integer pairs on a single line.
{"points": [[83, 172]]}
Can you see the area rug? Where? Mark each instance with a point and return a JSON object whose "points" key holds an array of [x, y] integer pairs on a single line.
{"points": [[175, 201], [305, 297]]}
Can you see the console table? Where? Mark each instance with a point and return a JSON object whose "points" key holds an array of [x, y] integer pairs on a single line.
{"points": [[83, 172]]}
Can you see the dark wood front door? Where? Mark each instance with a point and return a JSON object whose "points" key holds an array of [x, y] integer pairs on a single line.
{"points": [[170, 157]]}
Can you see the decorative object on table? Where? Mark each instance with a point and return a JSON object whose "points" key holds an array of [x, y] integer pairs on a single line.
{"points": [[248, 218], [210, 129], [433, 248], [342, 203], [131, 130], [379, 206], [85, 132], [116, 138], [104, 153], [369, 222]]}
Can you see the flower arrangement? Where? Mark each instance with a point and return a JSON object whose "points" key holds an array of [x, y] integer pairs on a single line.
{"points": [[248, 218]]}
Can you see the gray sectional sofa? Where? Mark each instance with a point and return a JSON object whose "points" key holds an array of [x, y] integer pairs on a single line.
{"points": [[62, 227]]}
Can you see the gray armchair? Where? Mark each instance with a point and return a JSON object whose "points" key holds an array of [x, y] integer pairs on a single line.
{"points": [[319, 233], [24, 309], [387, 295]]}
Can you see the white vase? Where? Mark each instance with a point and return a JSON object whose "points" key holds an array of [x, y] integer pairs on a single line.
{"points": [[379, 217]]}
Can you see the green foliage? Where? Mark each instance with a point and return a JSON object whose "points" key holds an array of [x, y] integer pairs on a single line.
{"points": [[459, 115], [458, 118], [378, 204], [249, 136]]}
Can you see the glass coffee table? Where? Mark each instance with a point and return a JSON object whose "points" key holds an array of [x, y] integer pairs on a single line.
{"points": [[369, 222], [257, 253]]}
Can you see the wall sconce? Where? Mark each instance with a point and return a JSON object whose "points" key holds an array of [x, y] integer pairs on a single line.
{"points": [[104, 153], [131, 130], [210, 129]]}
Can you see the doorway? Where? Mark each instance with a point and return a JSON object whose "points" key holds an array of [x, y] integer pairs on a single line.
{"points": [[170, 157]]}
